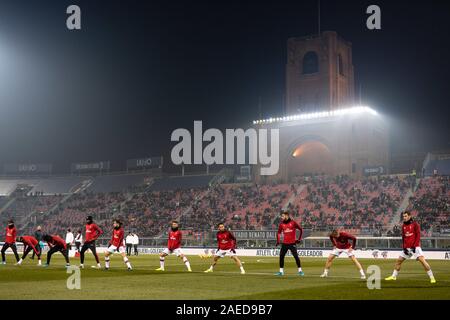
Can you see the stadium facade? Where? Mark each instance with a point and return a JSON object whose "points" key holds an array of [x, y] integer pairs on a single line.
{"points": [[323, 131]]}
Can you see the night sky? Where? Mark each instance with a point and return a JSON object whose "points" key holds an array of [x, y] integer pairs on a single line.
{"points": [[140, 69]]}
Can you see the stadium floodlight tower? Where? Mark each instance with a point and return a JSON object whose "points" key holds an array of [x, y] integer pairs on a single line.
{"points": [[323, 131], [341, 141]]}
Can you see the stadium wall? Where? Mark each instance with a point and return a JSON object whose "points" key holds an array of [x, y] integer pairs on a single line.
{"points": [[303, 253]]}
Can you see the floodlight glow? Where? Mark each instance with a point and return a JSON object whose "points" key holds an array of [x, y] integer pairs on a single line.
{"points": [[319, 115]]}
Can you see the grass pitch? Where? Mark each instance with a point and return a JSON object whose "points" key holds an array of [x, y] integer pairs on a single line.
{"points": [[32, 282]]}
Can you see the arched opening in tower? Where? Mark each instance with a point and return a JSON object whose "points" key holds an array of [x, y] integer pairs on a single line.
{"points": [[312, 157]]}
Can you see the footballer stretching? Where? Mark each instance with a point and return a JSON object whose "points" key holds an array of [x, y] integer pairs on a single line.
{"points": [[93, 232], [288, 228], [117, 244], [411, 247], [30, 243], [56, 244], [173, 246], [226, 246], [10, 241], [341, 244]]}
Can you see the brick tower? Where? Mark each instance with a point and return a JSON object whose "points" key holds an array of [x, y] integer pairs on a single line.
{"points": [[319, 73]]}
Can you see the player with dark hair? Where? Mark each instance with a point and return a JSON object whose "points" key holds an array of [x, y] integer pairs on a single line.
{"points": [[411, 247], [173, 246], [288, 228], [226, 246], [10, 241], [341, 244], [29, 243], [93, 232], [56, 244], [117, 244]]}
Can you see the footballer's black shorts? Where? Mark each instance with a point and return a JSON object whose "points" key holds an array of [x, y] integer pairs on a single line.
{"points": [[89, 245], [86, 246], [288, 247], [284, 250]]}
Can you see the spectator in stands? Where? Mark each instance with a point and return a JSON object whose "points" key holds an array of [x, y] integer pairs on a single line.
{"points": [[129, 243]]}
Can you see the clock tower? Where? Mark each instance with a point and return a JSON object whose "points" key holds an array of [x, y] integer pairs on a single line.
{"points": [[319, 73]]}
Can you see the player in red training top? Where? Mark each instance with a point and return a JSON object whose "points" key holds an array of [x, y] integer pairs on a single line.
{"points": [[56, 244], [10, 241], [341, 243], [226, 246], [173, 246], [92, 234], [117, 244], [411, 247], [288, 228], [29, 243]]}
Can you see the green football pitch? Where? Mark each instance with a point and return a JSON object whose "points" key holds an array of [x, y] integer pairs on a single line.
{"points": [[32, 282]]}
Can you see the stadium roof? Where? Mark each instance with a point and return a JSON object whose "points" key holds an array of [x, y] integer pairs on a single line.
{"points": [[318, 115]]}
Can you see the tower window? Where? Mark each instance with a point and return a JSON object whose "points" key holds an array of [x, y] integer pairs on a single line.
{"points": [[310, 63], [340, 65]]}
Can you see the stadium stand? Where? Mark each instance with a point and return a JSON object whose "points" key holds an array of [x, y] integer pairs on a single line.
{"points": [[7, 187], [45, 186], [241, 207], [430, 204], [58, 185], [362, 206], [175, 183], [72, 213], [436, 164], [118, 183]]}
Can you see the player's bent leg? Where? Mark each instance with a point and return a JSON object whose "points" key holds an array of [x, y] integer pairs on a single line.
{"points": [[283, 252], [4, 248], [397, 267], [211, 268], [186, 262], [49, 256], [107, 259], [126, 261], [24, 255], [294, 252], [424, 263], [94, 252], [14, 249], [358, 265], [162, 257], [65, 253], [427, 268], [328, 264], [239, 263], [84, 248]]}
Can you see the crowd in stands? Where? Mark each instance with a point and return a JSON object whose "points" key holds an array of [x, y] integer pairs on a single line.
{"points": [[23, 208], [73, 212], [430, 204], [242, 207], [149, 213], [354, 204], [321, 203]]}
